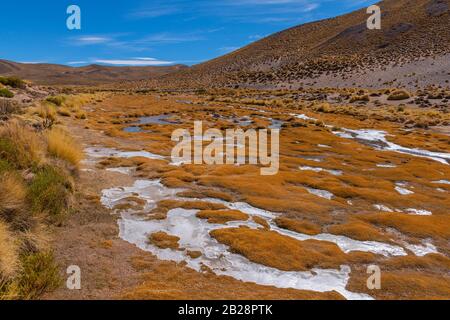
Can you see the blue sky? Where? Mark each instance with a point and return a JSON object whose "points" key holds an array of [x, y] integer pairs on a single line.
{"points": [[144, 32]]}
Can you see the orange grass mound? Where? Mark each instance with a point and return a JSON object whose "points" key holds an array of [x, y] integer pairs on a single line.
{"points": [[284, 253], [163, 240], [194, 254], [262, 222], [305, 227], [404, 285], [420, 226], [170, 281], [359, 231], [223, 216], [164, 206]]}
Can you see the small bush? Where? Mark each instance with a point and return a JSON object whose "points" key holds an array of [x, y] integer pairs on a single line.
{"points": [[13, 82], [8, 107], [50, 192], [64, 112], [5, 93], [20, 145], [356, 98], [80, 115], [9, 257], [48, 114], [56, 100], [399, 95], [39, 274], [5, 166], [61, 145]]}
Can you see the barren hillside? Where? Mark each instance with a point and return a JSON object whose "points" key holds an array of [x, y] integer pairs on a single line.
{"points": [[88, 75], [411, 49]]}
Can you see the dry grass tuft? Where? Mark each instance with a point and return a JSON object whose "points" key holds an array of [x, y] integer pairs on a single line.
{"points": [[163, 240], [274, 250], [399, 95], [20, 145], [9, 254], [63, 146], [298, 226], [223, 216]]}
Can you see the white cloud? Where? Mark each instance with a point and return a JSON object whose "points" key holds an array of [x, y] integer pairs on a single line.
{"points": [[141, 62], [88, 40]]}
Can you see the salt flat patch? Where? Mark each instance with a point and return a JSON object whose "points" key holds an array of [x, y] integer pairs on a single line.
{"points": [[102, 152], [403, 191], [418, 212], [347, 244], [318, 169], [442, 182], [377, 139], [302, 117], [151, 191], [382, 207], [321, 193], [386, 165], [194, 236], [423, 249], [122, 170]]}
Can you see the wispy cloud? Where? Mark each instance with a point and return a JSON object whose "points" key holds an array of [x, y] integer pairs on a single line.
{"points": [[141, 62], [160, 11], [90, 40], [253, 11]]}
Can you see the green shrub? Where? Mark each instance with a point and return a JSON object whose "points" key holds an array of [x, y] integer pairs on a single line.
{"points": [[39, 274], [13, 82], [50, 192], [5, 93], [5, 166]]}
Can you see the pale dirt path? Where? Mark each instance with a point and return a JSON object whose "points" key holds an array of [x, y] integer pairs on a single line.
{"points": [[89, 238]]}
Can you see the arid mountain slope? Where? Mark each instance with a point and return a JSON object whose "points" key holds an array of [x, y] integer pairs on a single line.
{"points": [[341, 51], [88, 75]]}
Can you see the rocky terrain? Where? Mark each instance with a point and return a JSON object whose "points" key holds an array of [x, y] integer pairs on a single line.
{"points": [[411, 50]]}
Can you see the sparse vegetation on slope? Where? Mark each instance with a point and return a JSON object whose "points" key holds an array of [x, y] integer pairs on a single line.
{"points": [[35, 190]]}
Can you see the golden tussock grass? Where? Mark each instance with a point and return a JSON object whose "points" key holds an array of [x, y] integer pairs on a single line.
{"points": [[163, 240], [63, 146], [261, 221], [359, 231], [9, 254], [20, 145], [63, 111], [305, 227], [164, 206], [223, 216], [170, 281], [420, 226], [12, 193], [274, 250], [404, 285], [399, 95], [194, 254]]}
